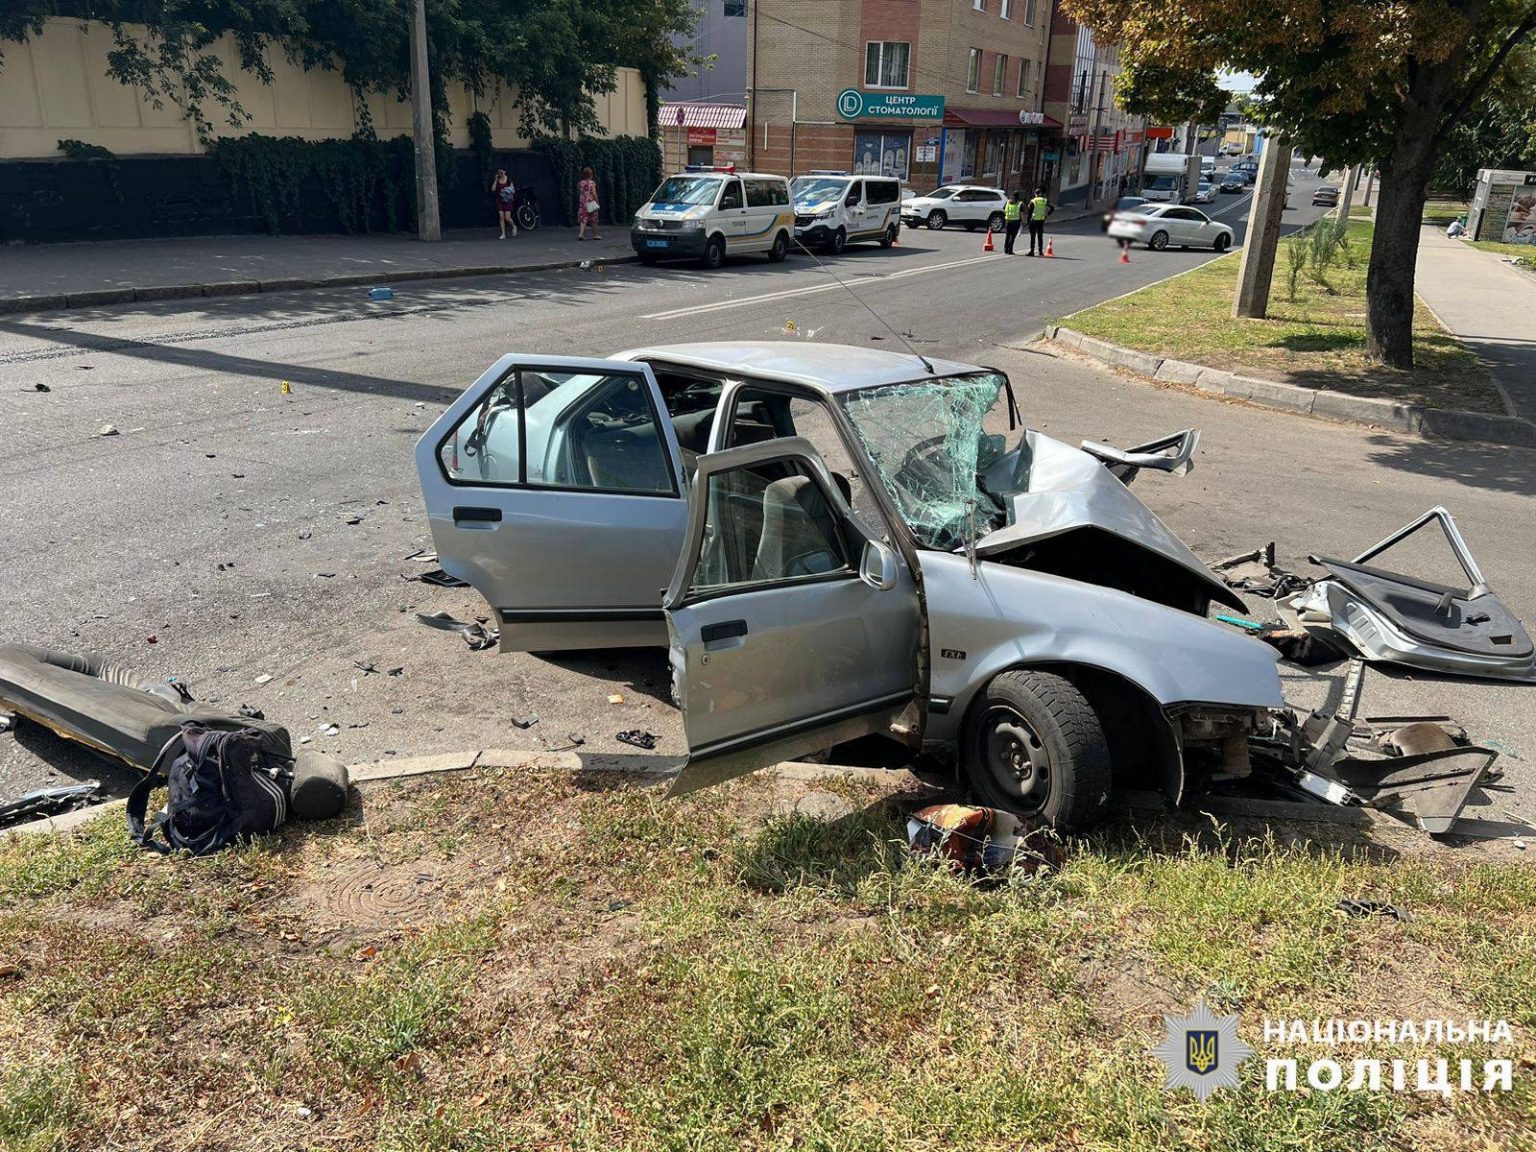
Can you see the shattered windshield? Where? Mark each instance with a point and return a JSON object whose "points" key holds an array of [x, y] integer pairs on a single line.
{"points": [[927, 444]]}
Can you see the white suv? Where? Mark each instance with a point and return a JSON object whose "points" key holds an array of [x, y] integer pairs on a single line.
{"points": [[968, 204]]}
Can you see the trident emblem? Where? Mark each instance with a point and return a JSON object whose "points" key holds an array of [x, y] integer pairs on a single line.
{"points": [[1200, 1050]]}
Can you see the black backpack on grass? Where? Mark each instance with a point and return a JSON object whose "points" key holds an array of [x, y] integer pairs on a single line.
{"points": [[223, 787]]}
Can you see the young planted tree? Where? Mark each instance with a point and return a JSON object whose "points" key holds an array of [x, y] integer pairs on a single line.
{"points": [[1351, 81]]}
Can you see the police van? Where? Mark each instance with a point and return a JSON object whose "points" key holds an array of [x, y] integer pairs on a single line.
{"points": [[834, 209], [708, 213]]}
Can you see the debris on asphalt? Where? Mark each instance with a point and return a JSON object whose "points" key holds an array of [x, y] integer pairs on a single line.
{"points": [[615, 698], [476, 635], [381, 293], [439, 579], [396, 671], [354, 520], [152, 639], [6, 721], [423, 556], [1364, 908], [367, 669], [525, 722], [43, 802], [980, 840], [1257, 572], [41, 387], [329, 730], [479, 637], [250, 713], [108, 430], [638, 738], [264, 678]]}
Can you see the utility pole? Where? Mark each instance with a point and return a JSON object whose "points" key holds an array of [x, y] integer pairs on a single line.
{"points": [[1345, 200], [428, 223], [1370, 182], [1263, 231]]}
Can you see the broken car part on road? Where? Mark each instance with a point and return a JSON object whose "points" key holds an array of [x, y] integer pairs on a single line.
{"points": [[128, 717], [850, 546]]}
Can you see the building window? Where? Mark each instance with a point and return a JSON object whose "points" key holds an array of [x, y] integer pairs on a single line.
{"points": [[1029, 11], [1006, 10], [885, 63], [1023, 79], [999, 70], [973, 71], [979, 5], [735, 7]]}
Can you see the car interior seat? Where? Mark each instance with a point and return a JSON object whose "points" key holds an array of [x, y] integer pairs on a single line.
{"points": [[800, 536]]}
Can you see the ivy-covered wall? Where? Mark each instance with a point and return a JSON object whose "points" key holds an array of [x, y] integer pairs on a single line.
{"points": [[285, 185]]}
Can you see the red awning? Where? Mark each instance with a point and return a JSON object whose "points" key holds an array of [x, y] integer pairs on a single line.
{"points": [[701, 116], [993, 118]]}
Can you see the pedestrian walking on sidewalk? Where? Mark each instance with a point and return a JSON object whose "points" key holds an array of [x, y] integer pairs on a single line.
{"points": [[587, 205], [1039, 209], [1013, 212], [504, 193]]}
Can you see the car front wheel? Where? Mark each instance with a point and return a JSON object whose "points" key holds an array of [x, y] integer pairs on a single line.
{"points": [[1223, 242], [839, 241], [937, 219], [714, 252], [1034, 746], [1158, 242]]}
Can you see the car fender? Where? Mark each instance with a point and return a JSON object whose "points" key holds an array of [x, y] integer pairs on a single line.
{"points": [[1006, 617]]}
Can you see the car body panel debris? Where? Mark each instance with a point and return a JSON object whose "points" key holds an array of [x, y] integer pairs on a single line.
{"points": [[833, 481], [47, 802], [129, 717], [980, 840]]}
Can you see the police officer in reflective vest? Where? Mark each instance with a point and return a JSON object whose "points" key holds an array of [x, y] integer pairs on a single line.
{"points": [[1039, 209], [1013, 212]]}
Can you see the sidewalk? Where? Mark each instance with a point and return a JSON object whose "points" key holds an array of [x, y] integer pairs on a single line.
{"points": [[49, 276], [1491, 308]]}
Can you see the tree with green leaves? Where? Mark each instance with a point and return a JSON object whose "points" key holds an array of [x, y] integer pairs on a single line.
{"points": [[554, 54], [1351, 81]]}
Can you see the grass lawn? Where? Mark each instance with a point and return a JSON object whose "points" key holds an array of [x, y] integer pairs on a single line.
{"points": [[1316, 340], [543, 960], [1522, 252], [1443, 211]]}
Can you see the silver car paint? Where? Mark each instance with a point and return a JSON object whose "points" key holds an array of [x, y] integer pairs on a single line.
{"points": [[1070, 489], [1005, 617]]}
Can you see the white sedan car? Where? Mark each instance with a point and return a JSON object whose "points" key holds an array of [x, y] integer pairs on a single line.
{"points": [[971, 205], [1161, 225]]}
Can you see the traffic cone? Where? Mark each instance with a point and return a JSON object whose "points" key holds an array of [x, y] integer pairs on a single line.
{"points": [[987, 247], [1125, 253], [1049, 250]]}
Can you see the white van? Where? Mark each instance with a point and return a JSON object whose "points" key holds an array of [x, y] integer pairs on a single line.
{"points": [[709, 213], [834, 209], [1166, 177]]}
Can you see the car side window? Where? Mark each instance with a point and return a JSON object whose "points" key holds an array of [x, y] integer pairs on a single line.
{"points": [[768, 523], [730, 197], [760, 194], [855, 194], [883, 191], [559, 429]]}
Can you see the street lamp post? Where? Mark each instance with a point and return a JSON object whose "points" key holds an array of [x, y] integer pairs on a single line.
{"points": [[428, 223]]}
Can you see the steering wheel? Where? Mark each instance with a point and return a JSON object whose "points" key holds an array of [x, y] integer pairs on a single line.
{"points": [[925, 461]]}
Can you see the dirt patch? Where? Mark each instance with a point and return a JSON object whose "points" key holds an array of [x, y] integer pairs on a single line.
{"points": [[1123, 992]]}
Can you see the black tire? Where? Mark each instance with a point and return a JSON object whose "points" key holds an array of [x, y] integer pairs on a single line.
{"points": [[527, 216], [1034, 746], [1159, 241], [779, 250], [1223, 242], [996, 221], [714, 253], [838, 242], [889, 239], [937, 219]]}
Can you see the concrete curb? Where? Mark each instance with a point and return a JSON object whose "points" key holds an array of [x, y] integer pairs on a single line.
{"points": [[1412, 419], [54, 302]]}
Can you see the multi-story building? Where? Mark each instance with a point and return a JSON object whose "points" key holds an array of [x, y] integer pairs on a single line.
{"points": [[702, 115], [1101, 147], [925, 90]]}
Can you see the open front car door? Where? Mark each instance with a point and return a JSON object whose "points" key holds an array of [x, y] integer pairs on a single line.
{"points": [[554, 487], [792, 627]]}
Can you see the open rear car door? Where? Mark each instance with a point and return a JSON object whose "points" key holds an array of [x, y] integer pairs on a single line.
{"points": [[792, 627], [554, 487]]}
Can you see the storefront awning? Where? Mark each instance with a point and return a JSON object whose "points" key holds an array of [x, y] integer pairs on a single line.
{"points": [[993, 118], [701, 116]]}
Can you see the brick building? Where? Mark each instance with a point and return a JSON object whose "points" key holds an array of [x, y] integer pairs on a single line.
{"points": [[1100, 145], [925, 90]]}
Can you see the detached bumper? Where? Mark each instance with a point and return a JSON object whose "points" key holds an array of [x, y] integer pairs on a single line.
{"points": [[663, 244]]}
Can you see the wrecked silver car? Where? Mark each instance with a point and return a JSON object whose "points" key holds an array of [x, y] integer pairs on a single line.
{"points": [[837, 542]]}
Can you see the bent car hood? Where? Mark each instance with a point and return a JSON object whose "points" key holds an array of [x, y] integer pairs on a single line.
{"points": [[1056, 488]]}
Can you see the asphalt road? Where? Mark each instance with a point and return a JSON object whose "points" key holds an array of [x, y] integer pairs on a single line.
{"points": [[253, 533]]}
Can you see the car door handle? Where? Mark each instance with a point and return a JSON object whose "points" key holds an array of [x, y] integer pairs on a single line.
{"points": [[726, 634], [462, 513]]}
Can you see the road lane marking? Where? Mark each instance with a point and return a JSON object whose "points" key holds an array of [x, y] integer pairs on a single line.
{"points": [[789, 293]]}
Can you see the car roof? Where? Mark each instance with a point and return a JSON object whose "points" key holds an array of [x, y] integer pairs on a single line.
{"points": [[828, 368]]}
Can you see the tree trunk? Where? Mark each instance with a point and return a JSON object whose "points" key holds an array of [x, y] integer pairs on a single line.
{"points": [[1394, 252]]}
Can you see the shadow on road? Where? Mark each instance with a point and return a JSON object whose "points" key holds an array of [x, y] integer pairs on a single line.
{"points": [[1489, 466]]}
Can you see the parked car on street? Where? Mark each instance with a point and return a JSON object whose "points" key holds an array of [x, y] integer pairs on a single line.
{"points": [[1160, 226], [709, 213], [972, 205], [1204, 194], [1326, 197], [790, 498], [833, 210], [1124, 204]]}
